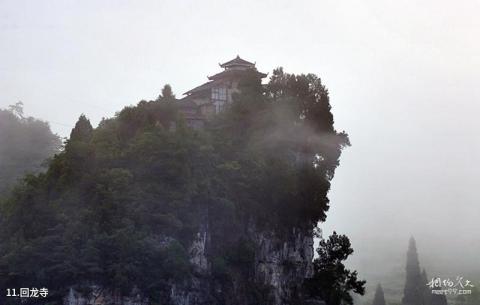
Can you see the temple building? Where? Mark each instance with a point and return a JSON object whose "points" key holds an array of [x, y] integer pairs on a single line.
{"points": [[210, 98]]}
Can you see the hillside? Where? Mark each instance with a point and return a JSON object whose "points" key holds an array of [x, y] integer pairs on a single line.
{"points": [[144, 209]]}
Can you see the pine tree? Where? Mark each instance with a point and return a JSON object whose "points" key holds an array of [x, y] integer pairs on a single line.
{"points": [[379, 298], [167, 94], [78, 149], [82, 131], [413, 291], [427, 294], [167, 91]]}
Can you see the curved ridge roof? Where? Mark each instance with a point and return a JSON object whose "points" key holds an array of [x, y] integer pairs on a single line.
{"points": [[237, 61]]}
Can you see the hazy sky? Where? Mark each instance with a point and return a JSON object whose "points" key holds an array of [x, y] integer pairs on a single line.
{"points": [[403, 79]]}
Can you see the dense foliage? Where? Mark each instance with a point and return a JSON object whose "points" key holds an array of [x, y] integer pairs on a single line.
{"points": [[120, 205], [413, 293], [416, 290], [25, 143], [332, 282]]}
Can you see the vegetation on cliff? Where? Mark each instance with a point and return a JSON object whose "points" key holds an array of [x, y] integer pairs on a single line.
{"points": [[25, 143], [331, 281], [120, 205]]}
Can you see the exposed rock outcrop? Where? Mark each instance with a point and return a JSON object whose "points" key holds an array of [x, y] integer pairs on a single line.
{"points": [[283, 263], [280, 265]]}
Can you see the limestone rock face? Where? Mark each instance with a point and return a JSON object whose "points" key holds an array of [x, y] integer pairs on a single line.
{"points": [[197, 252], [281, 264]]}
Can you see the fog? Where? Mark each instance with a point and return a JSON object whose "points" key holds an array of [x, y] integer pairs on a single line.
{"points": [[403, 81]]}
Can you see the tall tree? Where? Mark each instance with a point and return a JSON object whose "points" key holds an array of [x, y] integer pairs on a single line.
{"points": [[167, 94], [331, 281], [82, 131], [379, 298], [416, 289], [413, 291]]}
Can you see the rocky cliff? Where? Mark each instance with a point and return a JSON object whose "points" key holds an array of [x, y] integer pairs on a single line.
{"points": [[135, 212], [281, 263]]}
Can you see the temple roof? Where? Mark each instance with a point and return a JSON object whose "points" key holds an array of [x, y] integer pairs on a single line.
{"points": [[237, 61], [233, 73], [202, 87], [234, 69]]}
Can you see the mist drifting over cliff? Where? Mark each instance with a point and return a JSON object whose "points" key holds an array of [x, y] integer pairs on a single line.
{"points": [[403, 81]]}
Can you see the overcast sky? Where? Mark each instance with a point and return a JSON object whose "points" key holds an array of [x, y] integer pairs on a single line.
{"points": [[403, 79]]}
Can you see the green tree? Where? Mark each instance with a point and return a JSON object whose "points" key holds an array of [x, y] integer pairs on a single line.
{"points": [[82, 131], [17, 109], [331, 281], [25, 144], [413, 293], [167, 93]]}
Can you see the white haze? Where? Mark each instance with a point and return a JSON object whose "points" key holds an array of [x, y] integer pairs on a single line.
{"points": [[403, 78]]}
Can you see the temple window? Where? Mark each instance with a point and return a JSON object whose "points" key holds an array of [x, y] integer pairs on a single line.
{"points": [[219, 94], [219, 98]]}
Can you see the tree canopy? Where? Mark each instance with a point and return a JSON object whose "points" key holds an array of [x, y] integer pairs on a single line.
{"points": [[332, 281], [25, 144], [414, 287]]}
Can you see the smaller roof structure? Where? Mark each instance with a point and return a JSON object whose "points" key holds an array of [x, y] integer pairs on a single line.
{"points": [[237, 62], [234, 73]]}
